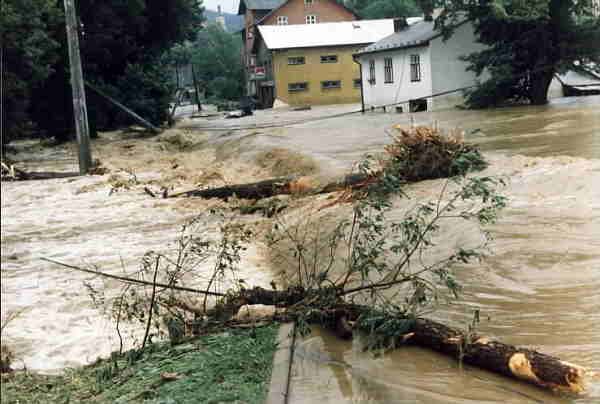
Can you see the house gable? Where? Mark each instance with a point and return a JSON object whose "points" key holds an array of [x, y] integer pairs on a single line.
{"points": [[297, 12]]}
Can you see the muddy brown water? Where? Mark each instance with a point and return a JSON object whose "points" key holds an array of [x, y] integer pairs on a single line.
{"points": [[541, 289]]}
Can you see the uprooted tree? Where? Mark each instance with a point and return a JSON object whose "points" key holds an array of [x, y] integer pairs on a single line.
{"points": [[372, 271]]}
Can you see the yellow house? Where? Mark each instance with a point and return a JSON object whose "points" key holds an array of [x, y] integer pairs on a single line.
{"points": [[312, 64]]}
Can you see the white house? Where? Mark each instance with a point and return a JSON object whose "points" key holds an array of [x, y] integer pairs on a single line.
{"points": [[406, 68]]}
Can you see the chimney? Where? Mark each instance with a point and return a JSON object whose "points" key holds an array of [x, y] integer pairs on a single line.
{"points": [[400, 24]]}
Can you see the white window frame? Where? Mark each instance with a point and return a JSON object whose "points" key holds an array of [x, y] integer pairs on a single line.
{"points": [[311, 19], [388, 70], [282, 20], [296, 60], [415, 68], [372, 72]]}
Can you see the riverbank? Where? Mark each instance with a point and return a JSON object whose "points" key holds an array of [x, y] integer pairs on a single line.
{"points": [[233, 366]]}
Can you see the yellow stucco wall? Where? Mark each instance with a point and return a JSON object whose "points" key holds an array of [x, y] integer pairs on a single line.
{"points": [[314, 72]]}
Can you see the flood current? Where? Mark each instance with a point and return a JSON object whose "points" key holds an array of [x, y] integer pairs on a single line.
{"points": [[540, 289], [541, 286]]}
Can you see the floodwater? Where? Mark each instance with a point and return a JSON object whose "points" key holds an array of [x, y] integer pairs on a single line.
{"points": [[540, 289], [80, 222]]}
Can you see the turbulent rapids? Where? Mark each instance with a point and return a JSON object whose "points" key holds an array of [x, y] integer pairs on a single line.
{"points": [[539, 289]]}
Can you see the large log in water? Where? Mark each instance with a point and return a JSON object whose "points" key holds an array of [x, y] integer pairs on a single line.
{"points": [[274, 187], [254, 190], [520, 363], [11, 173], [542, 370]]}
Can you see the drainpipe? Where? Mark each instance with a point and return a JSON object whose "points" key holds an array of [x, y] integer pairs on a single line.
{"points": [[362, 94]]}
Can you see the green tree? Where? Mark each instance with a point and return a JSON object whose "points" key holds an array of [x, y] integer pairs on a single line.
{"points": [[28, 52], [217, 63], [122, 43], [384, 8], [527, 43]]}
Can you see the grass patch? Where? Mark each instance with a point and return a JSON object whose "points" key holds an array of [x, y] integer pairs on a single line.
{"points": [[234, 366]]}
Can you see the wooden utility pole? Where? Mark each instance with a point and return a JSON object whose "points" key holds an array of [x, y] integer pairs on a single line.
{"points": [[79, 103]]}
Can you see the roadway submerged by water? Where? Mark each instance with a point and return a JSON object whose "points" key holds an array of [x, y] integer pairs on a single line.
{"points": [[539, 289]]}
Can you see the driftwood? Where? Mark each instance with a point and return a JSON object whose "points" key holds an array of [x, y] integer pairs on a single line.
{"points": [[12, 173], [542, 370], [527, 365], [274, 187], [524, 364], [254, 190]]}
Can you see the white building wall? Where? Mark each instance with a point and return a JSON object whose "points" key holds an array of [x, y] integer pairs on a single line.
{"points": [[448, 71], [402, 89]]}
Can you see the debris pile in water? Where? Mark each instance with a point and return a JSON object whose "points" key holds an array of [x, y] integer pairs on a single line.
{"points": [[422, 152]]}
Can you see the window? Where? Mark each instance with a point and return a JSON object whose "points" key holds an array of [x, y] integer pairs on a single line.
{"points": [[311, 19], [308, 2], [282, 20], [329, 59], [326, 85], [296, 60], [252, 60], [357, 83], [415, 68], [388, 70], [295, 87], [372, 72]]}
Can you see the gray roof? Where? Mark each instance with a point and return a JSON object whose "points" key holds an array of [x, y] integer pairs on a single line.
{"points": [[415, 35]]}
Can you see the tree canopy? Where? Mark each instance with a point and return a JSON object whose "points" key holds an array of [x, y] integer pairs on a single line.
{"points": [[29, 51], [122, 43], [527, 43], [384, 8]]}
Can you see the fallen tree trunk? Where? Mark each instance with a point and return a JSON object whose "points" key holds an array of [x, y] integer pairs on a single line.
{"points": [[524, 364], [294, 303], [520, 363], [12, 173], [274, 187], [254, 190]]}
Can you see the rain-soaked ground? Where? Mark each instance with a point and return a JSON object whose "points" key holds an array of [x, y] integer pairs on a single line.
{"points": [[540, 289]]}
